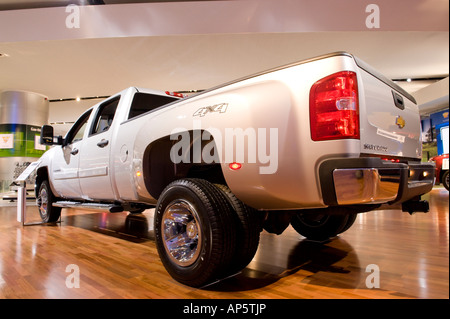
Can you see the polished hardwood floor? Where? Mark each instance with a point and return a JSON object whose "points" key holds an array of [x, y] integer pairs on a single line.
{"points": [[115, 257]]}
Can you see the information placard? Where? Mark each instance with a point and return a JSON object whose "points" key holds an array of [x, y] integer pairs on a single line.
{"points": [[23, 177]]}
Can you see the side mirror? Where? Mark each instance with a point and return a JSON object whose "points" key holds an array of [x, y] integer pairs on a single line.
{"points": [[47, 137]]}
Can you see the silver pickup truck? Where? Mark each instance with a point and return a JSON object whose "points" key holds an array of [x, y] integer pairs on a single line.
{"points": [[310, 144]]}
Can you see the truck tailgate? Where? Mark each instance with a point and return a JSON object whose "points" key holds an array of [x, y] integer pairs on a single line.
{"points": [[390, 121]]}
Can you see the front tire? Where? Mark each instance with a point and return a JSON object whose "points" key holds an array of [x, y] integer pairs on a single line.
{"points": [[194, 232], [45, 200]]}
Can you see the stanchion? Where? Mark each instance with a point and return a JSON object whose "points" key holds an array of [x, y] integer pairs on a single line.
{"points": [[21, 202], [22, 196]]}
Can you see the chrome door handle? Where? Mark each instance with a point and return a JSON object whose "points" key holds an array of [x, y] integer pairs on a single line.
{"points": [[102, 143], [74, 151]]}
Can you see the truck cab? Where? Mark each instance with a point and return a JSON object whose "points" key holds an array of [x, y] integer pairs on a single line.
{"points": [[81, 166]]}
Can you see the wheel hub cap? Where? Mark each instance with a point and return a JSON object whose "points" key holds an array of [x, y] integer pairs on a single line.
{"points": [[42, 201], [181, 236]]}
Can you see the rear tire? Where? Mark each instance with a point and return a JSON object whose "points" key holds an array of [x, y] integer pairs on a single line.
{"points": [[248, 229], [194, 231], [350, 221], [45, 200], [321, 224]]}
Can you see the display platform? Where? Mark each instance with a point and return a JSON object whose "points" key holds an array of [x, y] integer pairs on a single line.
{"points": [[116, 257]]}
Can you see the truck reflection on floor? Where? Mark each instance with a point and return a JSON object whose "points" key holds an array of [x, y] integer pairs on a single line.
{"points": [[132, 227]]}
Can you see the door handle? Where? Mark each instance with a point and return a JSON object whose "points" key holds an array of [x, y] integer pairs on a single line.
{"points": [[74, 151], [102, 143]]}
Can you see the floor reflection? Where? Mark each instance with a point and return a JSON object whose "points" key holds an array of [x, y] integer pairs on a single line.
{"points": [[131, 227], [410, 251], [317, 261]]}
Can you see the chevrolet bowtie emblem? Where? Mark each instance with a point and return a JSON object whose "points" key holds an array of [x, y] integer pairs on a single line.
{"points": [[400, 122]]}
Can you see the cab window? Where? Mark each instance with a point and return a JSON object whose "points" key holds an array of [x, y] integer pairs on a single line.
{"points": [[144, 102], [105, 116], [77, 131]]}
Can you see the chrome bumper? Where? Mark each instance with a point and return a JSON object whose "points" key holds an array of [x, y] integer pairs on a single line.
{"points": [[359, 186], [373, 181]]}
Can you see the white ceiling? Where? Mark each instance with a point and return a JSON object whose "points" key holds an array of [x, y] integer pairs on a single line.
{"points": [[87, 67]]}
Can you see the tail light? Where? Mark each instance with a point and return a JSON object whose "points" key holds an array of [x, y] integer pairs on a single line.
{"points": [[334, 107]]}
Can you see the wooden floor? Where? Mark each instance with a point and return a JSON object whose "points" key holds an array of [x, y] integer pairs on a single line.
{"points": [[116, 258]]}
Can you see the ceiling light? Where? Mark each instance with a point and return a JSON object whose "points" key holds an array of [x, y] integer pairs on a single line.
{"points": [[3, 55], [408, 80]]}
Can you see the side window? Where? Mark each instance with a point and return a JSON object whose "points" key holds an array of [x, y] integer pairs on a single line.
{"points": [[144, 102], [80, 133], [77, 131], [105, 116]]}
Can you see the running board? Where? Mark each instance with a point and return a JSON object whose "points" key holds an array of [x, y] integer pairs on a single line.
{"points": [[112, 208]]}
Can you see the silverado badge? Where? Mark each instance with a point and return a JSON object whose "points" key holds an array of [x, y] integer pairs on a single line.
{"points": [[400, 122]]}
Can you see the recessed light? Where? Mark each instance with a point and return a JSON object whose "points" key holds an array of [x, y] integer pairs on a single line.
{"points": [[3, 55]]}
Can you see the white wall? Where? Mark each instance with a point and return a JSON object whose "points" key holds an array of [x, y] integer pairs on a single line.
{"points": [[433, 97]]}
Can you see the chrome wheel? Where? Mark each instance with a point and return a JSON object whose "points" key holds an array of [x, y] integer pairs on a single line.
{"points": [[43, 202], [182, 237]]}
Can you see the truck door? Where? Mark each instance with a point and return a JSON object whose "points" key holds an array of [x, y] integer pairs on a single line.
{"points": [[66, 160], [94, 170]]}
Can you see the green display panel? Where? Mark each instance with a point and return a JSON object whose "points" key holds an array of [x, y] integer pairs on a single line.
{"points": [[20, 140]]}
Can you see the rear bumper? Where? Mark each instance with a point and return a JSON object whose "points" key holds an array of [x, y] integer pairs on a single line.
{"points": [[352, 181]]}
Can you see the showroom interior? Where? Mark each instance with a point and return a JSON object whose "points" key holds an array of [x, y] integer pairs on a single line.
{"points": [[58, 58]]}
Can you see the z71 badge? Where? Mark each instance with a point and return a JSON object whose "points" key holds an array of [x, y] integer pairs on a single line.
{"points": [[221, 108]]}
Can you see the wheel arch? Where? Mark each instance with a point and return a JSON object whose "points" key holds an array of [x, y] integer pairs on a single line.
{"points": [[159, 170], [41, 175]]}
